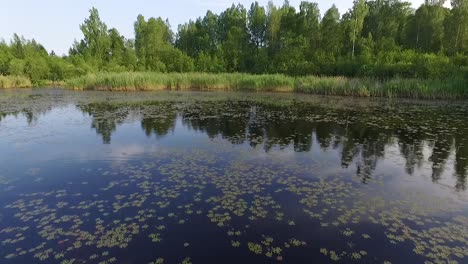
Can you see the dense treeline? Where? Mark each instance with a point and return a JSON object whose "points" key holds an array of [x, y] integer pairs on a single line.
{"points": [[379, 38]]}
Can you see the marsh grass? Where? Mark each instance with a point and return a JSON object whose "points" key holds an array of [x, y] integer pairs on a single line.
{"points": [[408, 88], [181, 81], [12, 81], [453, 88]]}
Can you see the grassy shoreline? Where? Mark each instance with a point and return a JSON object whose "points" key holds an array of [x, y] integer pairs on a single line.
{"points": [[452, 88], [12, 81]]}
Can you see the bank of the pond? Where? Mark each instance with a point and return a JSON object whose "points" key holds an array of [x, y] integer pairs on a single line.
{"points": [[408, 88], [451, 88], [12, 81]]}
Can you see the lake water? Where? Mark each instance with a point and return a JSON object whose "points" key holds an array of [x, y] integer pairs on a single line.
{"points": [[101, 177]]}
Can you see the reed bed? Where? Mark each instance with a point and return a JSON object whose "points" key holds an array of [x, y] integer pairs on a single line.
{"points": [[452, 88], [12, 81], [181, 81]]}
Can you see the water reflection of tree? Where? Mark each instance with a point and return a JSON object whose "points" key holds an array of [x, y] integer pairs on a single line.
{"points": [[412, 150], [225, 120], [31, 115], [362, 139], [3, 115], [105, 128], [159, 126], [461, 160], [440, 154], [105, 118], [29, 104]]}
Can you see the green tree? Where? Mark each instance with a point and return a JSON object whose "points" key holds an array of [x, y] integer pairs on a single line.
{"points": [[129, 58], [190, 38], [355, 22], [154, 48], [175, 60], [386, 22], [456, 28], [116, 48], [199, 36], [5, 57], [257, 25], [96, 44], [36, 68], [274, 16], [234, 37], [151, 38], [140, 42], [60, 69], [207, 63], [309, 26], [331, 32], [16, 67], [17, 46], [426, 27]]}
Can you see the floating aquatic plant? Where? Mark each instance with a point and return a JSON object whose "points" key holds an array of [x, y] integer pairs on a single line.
{"points": [[235, 243], [255, 248]]}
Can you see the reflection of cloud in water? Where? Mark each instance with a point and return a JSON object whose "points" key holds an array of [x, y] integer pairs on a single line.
{"points": [[117, 153], [392, 171]]}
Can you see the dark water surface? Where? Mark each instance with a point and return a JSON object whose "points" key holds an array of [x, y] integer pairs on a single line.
{"points": [[101, 177]]}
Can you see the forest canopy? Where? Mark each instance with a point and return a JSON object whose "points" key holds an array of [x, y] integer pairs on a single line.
{"points": [[379, 38]]}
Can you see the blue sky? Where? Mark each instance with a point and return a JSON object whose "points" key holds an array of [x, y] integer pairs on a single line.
{"points": [[55, 23]]}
